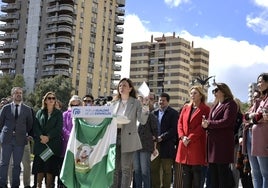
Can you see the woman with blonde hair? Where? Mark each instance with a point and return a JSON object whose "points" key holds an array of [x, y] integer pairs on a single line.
{"points": [[192, 138], [47, 134]]}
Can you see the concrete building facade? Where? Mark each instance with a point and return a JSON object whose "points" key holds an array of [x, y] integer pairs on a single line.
{"points": [[169, 64], [79, 39]]}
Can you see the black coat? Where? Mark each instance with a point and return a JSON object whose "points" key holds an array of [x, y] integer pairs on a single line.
{"points": [[168, 133]]}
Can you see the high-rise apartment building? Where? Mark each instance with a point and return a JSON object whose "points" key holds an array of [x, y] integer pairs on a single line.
{"points": [[79, 39], [168, 64]]}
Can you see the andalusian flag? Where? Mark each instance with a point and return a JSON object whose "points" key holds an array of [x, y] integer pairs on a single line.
{"points": [[90, 157]]}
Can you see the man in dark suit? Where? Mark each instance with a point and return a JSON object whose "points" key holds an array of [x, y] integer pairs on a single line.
{"points": [[15, 123], [167, 129]]}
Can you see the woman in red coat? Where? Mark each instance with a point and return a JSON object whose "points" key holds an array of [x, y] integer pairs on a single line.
{"points": [[220, 136], [192, 138]]}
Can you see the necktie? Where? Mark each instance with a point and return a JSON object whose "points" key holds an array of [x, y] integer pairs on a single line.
{"points": [[16, 111]]}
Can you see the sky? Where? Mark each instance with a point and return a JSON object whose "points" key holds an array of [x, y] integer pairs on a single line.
{"points": [[235, 32]]}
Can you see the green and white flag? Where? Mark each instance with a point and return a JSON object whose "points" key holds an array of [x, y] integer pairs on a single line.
{"points": [[90, 157]]}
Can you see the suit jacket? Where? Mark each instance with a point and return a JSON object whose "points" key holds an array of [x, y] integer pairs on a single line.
{"points": [[168, 132], [50, 127], [19, 128], [220, 132], [147, 132], [130, 140], [190, 125]]}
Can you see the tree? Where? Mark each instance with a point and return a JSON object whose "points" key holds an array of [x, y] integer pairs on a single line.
{"points": [[18, 81], [60, 85], [5, 86]]}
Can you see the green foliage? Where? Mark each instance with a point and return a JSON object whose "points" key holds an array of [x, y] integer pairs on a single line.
{"points": [[7, 82], [5, 86], [18, 81], [60, 85]]}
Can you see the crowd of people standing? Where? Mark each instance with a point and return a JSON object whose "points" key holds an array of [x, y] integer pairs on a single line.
{"points": [[159, 147]]}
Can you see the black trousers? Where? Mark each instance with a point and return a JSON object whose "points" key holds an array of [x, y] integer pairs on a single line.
{"points": [[191, 176]]}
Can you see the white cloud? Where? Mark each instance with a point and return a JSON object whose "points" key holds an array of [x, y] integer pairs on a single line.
{"points": [[259, 22], [262, 3], [236, 63], [175, 3]]}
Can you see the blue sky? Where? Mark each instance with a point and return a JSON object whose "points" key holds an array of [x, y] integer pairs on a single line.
{"points": [[234, 31]]}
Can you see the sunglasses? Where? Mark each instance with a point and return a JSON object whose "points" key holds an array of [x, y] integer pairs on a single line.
{"points": [[74, 105], [88, 101], [51, 98], [215, 90]]}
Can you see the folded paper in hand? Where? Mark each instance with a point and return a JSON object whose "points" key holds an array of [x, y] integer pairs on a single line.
{"points": [[144, 90], [122, 119], [46, 154], [154, 156]]}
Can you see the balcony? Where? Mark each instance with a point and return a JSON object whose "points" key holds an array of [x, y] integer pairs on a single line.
{"points": [[56, 72], [121, 3], [4, 37], [7, 65], [116, 77], [61, 18], [61, 28], [117, 67], [118, 48], [62, 7], [58, 50], [8, 55], [117, 58], [113, 86], [120, 12], [119, 21], [6, 46], [60, 39], [118, 40], [9, 26], [119, 30], [10, 7], [57, 61], [9, 16]]}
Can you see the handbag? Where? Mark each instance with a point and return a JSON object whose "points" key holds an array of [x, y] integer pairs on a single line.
{"points": [[46, 154], [246, 163], [239, 159]]}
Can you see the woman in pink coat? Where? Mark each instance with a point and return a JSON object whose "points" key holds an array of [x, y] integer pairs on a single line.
{"points": [[192, 138]]}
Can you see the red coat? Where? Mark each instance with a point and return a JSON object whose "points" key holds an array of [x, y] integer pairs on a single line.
{"points": [[190, 126]]}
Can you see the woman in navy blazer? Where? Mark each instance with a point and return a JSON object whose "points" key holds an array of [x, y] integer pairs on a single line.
{"points": [[220, 136]]}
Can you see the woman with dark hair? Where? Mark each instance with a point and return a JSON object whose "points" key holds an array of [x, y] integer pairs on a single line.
{"points": [[220, 136], [47, 134], [129, 108], [257, 144], [192, 143]]}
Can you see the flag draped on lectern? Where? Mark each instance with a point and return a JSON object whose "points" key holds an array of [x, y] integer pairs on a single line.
{"points": [[90, 157]]}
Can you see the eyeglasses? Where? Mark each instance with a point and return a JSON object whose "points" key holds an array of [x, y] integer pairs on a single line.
{"points": [[88, 101], [215, 90], [51, 98], [74, 104]]}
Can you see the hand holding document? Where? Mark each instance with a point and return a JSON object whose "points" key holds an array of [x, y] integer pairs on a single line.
{"points": [[154, 154]]}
